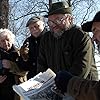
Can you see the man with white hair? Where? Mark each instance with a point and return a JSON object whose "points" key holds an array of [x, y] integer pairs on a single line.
{"points": [[8, 69]]}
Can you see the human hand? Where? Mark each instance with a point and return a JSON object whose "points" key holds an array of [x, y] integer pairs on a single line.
{"points": [[2, 78], [61, 80], [6, 64], [4, 67], [24, 51]]}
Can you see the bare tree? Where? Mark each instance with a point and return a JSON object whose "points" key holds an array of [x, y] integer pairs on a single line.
{"points": [[22, 10], [50, 3], [4, 9]]}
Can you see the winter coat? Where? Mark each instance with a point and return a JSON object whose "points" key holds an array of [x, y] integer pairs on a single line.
{"points": [[82, 89], [14, 76], [31, 64], [73, 52]]}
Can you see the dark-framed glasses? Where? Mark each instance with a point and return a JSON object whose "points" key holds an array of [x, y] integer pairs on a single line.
{"points": [[56, 21]]}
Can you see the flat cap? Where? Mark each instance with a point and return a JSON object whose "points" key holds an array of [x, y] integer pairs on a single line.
{"points": [[34, 19]]}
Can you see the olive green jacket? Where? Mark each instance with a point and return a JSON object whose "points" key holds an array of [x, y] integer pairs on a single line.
{"points": [[73, 52], [82, 89], [20, 75]]}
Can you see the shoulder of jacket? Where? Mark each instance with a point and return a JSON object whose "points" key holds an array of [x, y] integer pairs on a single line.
{"points": [[76, 28], [78, 31], [27, 39], [46, 37], [47, 34]]}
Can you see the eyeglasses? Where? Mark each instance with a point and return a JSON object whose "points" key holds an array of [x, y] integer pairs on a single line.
{"points": [[56, 21]]}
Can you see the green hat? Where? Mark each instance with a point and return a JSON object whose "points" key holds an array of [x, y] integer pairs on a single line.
{"points": [[88, 25], [60, 8], [34, 19]]}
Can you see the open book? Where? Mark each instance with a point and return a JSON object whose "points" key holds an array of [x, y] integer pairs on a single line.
{"points": [[38, 87]]}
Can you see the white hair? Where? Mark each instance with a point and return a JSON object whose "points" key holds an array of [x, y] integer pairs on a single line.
{"points": [[6, 32]]}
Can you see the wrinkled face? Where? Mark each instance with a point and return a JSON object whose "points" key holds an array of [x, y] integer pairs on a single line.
{"points": [[36, 28], [5, 42], [96, 33], [59, 22]]}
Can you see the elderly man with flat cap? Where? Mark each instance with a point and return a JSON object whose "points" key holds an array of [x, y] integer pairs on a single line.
{"points": [[30, 48], [66, 47], [82, 89]]}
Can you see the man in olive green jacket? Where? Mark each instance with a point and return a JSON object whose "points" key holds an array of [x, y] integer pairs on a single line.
{"points": [[82, 89], [66, 46]]}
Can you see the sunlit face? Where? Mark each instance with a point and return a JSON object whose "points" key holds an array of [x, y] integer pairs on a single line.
{"points": [[5, 42], [36, 28], [96, 32], [59, 22]]}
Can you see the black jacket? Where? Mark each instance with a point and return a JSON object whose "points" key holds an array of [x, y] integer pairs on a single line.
{"points": [[6, 91], [31, 64]]}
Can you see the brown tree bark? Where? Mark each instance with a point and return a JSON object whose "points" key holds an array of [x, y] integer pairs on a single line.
{"points": [[4, 9], [50, 3]]}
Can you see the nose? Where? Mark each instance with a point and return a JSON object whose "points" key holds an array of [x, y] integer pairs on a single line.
{"points": [[5, 42], [34, 28]]}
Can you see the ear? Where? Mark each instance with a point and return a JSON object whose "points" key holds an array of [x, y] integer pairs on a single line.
{"points": [[70, 18], [64, 21]]}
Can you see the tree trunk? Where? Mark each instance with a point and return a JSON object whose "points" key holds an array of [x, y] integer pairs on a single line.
{"points": [[4, 9], [50, 3]]}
